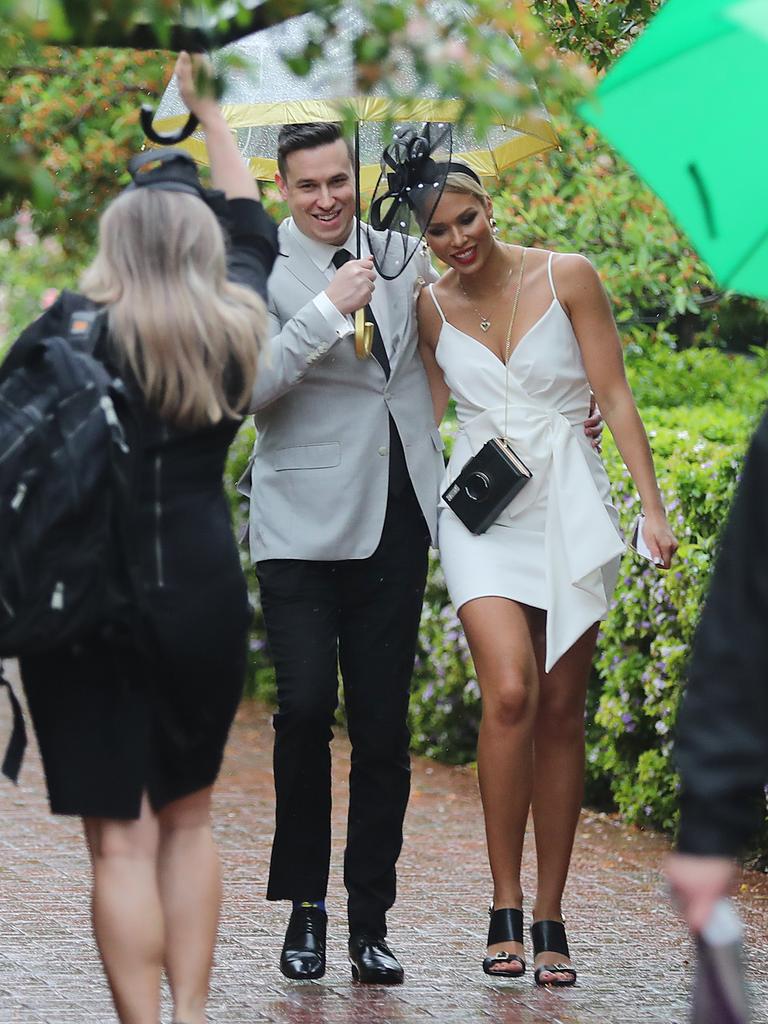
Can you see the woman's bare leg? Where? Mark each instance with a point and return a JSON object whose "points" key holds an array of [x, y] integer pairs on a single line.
{"points": [[499, 635], [190, 889], [126, 911], [558, 788]]}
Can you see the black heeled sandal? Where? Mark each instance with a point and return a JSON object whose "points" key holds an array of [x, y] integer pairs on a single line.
{"points": [[550, 936], [506, 926]]}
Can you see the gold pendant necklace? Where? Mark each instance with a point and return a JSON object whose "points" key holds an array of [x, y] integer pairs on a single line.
{"points": [[485, 321]]}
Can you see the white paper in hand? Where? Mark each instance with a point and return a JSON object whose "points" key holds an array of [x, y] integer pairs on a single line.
{"points": [[638, 541]]}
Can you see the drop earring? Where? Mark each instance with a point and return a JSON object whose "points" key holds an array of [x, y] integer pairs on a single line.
{"points": [[494, 226], [424, 248]]}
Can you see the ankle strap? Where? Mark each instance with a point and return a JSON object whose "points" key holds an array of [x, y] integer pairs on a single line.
{"points": [[549, 935], [506, 926]]}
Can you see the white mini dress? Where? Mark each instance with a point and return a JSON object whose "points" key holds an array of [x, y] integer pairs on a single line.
{"points": [[557, 545]]}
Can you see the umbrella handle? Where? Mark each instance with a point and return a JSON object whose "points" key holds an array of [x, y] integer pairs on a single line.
{"points": [[165, 138], [363, 335]]}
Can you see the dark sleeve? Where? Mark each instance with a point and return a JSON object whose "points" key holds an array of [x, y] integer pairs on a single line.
{"points": [[722, 734], [55, 320], [252, 244]]}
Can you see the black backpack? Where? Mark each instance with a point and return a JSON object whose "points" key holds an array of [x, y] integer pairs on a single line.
{"points": [[69, 439]]}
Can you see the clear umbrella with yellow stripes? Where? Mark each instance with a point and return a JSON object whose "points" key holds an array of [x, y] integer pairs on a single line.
{"points": [[265, 93]]}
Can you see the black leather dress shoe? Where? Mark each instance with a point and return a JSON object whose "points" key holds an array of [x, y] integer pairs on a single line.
{"points": [[373, 962], [303, 955]]}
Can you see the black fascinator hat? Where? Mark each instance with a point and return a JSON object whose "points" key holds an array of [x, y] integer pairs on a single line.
{"points": [[414, 168]]}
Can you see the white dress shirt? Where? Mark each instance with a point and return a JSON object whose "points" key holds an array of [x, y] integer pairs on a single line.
{"points": [[322, 255]]}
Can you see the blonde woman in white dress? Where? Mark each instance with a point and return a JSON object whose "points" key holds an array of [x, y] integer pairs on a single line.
{"points": [[531, 590]]}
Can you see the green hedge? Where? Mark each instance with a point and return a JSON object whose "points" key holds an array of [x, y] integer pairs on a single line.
{"points": [[644, 641], [583, 198], [696, 378], [643, 644]]}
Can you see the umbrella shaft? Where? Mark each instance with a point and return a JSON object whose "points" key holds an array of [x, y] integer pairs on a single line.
{"points": [[357, 188]]}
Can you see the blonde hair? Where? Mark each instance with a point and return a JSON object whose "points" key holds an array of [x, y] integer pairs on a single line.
{"points": [[465, 184], [191, 337]]}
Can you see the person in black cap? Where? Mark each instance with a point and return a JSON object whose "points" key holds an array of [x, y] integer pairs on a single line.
{"points": [[132, 742]]}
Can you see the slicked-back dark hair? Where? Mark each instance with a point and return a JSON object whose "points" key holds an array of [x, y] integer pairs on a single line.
{"points": [[293, 137]]}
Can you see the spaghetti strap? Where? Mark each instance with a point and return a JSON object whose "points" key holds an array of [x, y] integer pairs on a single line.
{"points": [[551, 279], [437, 304]]}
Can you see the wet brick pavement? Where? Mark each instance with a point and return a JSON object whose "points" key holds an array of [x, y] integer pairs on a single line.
{"points": [[632, 953]]}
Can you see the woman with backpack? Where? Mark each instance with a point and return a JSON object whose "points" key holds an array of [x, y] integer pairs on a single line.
{"points": [[132, 734]]}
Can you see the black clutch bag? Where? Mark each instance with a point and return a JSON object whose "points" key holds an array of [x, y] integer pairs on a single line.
{"points": [[486, 485]]}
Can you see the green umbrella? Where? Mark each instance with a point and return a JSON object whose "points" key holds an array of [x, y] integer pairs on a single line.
{"points": [[686, 106]]}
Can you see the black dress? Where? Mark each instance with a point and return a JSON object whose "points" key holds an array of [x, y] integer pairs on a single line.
{"points": [[111, 722]]}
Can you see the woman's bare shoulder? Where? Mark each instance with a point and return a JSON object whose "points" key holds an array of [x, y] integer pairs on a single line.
{"points": [[428, 316], [445, 283], [574, 274], [567, 264]]}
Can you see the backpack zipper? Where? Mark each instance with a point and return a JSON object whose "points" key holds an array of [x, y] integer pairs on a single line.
{"points": [[57, 597], [160, 577], [18, 499], [114, 424], [20, 440]]}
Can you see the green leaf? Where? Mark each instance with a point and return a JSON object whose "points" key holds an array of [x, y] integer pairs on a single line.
{"points": [[370, 49], [389, 18], [298, 64], [43, 189]]}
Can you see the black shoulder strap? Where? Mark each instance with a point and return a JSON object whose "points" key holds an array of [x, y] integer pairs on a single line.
{"points": [[18, 741]]}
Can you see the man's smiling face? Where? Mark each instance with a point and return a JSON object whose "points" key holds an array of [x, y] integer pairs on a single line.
{"points": [[320, 191]]}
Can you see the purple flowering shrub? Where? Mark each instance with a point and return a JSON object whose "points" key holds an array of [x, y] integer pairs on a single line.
{"points": [[645, 639]]}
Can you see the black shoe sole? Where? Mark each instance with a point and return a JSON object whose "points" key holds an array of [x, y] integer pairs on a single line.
{"points": [[311, 976], [378, 979]]}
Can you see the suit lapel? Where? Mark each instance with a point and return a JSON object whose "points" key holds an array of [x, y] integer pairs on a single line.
{"points": [[297, 262]]}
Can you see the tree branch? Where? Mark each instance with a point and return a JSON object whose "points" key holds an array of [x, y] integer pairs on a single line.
{"points": [[147, 36], [86, 108], [32, 69]]}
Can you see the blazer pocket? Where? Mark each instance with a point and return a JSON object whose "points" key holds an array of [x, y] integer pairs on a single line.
{"points": [[308, 456], [437, 439]]}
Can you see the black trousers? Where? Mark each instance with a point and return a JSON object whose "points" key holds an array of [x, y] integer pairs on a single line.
{"points": [[360, 616]]}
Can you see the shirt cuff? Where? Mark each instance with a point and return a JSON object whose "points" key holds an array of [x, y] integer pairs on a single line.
{"points": [[338, 321]]}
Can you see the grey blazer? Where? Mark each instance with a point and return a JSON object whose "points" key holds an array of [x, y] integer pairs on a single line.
{"points": [[318, 476]]}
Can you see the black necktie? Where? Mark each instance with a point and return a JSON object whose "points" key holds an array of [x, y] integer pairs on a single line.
{"points": [[398, 470], [340, 257]]}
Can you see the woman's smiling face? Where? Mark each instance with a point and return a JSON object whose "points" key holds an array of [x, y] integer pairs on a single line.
{"points": [[460, 233]]}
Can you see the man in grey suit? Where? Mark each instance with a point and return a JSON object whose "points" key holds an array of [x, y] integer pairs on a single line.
{"points": [[344, 489]]}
